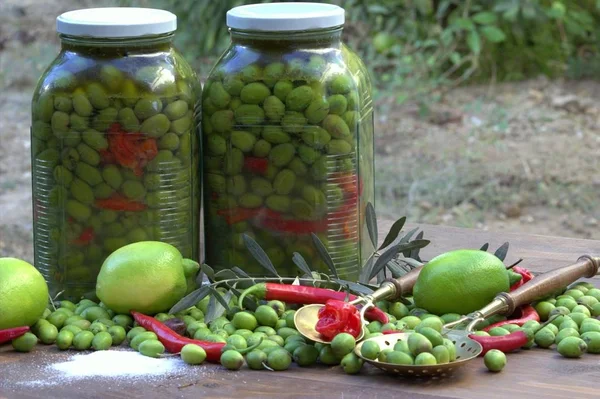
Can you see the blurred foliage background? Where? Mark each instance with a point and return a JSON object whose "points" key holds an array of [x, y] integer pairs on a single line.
{"points": [[421, 47]]}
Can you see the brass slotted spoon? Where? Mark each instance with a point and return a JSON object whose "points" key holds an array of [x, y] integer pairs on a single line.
{"points": [[504, 303], [307, 316]]}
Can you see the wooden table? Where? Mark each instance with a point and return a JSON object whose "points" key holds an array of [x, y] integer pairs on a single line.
{"points": [[532, 373]]}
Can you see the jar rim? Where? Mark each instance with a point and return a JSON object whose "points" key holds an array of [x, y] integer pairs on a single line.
{"points": [[115, 22]]}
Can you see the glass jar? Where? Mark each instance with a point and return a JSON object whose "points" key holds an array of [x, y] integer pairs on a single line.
{"points": [[287, 123], [114, 144]]}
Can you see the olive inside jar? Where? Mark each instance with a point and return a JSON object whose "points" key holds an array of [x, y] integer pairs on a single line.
{"points": [[114, 144], [287, 124]]}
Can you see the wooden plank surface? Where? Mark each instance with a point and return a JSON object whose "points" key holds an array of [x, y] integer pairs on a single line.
{"points": [[529, 373]]}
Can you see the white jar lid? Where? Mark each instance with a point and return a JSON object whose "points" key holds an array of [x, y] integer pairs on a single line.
{"points": [[273, 17], [116, 22]]}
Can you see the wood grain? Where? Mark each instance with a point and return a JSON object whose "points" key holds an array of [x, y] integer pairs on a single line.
{"points": [[532, 373]]}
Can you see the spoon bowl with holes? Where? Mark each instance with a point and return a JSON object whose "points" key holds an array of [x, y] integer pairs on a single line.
{"points": [[469, 346]]}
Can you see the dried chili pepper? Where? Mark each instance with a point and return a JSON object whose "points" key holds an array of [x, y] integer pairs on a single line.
{"points": [[505, 343], [256, 165], [11, 333], [239, 214], [117, 202], [338, 317], [528, 313], [303, 295], [86, 236], [174, 342]]}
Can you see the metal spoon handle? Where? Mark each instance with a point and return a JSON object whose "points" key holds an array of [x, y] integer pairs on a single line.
{"points": [[544, 284]]}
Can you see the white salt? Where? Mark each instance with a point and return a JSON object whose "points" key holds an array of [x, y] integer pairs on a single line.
{"points": [[120, 364]]}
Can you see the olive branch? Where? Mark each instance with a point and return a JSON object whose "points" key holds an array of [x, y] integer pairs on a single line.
{"points": [[397, 255]]}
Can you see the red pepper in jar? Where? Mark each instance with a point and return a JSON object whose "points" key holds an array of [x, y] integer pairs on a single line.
{"points": [[130, 150], [86, 236], [338, 317], [11, 333], [239, 214], [303, 295], [256, 165], [174, 342], [294, 226], [117, 202]]}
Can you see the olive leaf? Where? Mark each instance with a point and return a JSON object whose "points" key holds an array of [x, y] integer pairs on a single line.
{"points": [[371, 220], [217, 295], [355, 287], [191, 299], [393, 233], [414, 254], [324, 255], [408, 236], [484, 247], [225, 274], [259, 254], [366, 270], [239, 272], [398, 269], [388, 255], [215, 306], [208, 271], [301, 263], [502, 251]]}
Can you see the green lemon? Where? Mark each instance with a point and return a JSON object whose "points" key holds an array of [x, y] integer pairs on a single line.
{"points": [[460, 281], [23, 293], [146, 276]]}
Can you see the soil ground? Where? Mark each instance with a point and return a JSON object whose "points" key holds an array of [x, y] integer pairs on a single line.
{"points": [[509, 157]]}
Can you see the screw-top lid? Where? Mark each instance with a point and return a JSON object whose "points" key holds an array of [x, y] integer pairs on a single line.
{"points": [[116, 22], [275, 17]]}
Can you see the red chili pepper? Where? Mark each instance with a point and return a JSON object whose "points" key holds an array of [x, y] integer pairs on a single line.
{"points": [[11, 333], [505, 343], [86, 236], [338, 317], [174, 342], [528, 313], [239, 214], [119, 203], [303, 295], [256, 165], [525, 274]]}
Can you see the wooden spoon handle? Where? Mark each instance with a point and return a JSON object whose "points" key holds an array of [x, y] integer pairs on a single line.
{"points": [[545, 284], [404, 284]]}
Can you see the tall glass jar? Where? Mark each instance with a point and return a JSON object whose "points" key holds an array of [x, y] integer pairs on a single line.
{"points": [[114, 144], [288, 141]]}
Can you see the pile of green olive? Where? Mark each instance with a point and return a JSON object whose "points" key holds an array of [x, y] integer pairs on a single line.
{"points": [[115, 154], [281, 137]]}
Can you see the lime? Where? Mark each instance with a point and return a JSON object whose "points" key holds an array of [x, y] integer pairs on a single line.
{"points": [[23, 293], [460, 281], [146, 276]]}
